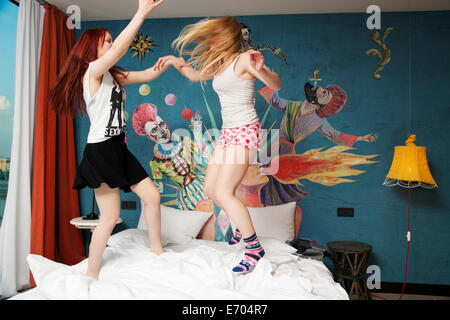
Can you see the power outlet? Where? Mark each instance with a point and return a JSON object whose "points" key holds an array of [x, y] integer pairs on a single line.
{"points": [[128, 205], [345, 212]]}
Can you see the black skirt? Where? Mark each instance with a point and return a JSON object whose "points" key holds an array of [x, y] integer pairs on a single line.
{"points": [[110, 162]]}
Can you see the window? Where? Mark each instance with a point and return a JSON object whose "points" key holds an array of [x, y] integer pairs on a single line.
{"points": [[8, 21]]}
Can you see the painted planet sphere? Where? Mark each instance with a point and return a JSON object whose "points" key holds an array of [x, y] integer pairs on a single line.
{"points": [[144, 90], [170, 99], [187, 114]]}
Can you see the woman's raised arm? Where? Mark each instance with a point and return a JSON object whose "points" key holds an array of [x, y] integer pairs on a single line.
{"points": [[121, 44]]}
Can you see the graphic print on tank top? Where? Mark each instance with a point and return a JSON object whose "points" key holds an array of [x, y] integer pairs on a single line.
{"points": [[117, 111]]}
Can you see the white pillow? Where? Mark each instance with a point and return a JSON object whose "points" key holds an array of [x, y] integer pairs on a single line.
{"points": [[178, 226], [274, 221], [132, 238]]}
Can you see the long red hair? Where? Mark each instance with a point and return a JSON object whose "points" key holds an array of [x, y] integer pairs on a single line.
{"points": [[66, 95]]}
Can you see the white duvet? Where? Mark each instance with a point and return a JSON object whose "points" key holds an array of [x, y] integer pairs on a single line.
{"points": [[200, 269]]}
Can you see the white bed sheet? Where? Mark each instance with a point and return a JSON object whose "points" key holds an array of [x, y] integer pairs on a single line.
{"points": [[200, 269]]}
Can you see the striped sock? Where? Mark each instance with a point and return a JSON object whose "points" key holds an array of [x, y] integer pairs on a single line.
{"points": [[236, 238], [253, 252]]}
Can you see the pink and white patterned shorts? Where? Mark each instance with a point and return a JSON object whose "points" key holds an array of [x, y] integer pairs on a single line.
{"points": [[248, 136]]}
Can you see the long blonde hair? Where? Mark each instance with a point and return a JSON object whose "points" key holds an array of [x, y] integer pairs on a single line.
{"points": [[216, 39]]}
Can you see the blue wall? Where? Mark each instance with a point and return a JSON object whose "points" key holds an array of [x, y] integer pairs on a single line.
{"points": [[336, 44]]}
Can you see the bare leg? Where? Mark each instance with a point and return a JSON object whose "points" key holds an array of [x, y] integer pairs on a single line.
{"points": [[231, 173], [149, 194], [108, 201], [212, 173]]}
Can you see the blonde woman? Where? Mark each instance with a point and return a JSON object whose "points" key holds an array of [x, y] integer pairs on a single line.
{"points": [[218, 55]]}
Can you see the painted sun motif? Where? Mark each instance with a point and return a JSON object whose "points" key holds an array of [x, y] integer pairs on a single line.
{"points": [[142, 45]]}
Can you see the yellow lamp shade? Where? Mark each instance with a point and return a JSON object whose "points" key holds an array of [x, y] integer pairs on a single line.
{"points": [[410, 166]]}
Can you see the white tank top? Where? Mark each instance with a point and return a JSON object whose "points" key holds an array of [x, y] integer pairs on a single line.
{"points": [[237, 98], [105, 109]]}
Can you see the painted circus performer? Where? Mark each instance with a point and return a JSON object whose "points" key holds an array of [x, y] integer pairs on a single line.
{"points": [[91, 82], [300, 119], [218, 55], [247, 44], [173, 155]]}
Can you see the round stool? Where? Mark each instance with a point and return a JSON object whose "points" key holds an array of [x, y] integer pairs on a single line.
{"points": [[350, 266]]}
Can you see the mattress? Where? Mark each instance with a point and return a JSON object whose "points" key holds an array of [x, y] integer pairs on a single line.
{"points": [[197, 270]]}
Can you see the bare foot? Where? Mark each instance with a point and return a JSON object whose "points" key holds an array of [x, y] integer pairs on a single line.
{"points": [[157, 250], [93, 276]]}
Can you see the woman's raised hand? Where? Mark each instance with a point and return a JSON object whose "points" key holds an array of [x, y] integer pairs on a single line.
{"points": [[256, 60], [166, 61], [147, 6]]}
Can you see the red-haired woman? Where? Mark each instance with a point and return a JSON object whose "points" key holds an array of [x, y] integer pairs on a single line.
{"points": [[91, 82]]}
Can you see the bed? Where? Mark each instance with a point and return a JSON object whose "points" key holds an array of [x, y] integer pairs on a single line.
{"points": [[191, 268]]}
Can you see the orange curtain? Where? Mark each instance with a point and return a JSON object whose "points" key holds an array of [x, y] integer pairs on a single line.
{"points": [[54, 202]]}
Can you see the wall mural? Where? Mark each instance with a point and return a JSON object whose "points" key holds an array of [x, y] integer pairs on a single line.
{"points": [[173, 155], [270, 180], [248, 44], [386, 57], [328, 167], [144, 90], [142, 45]]}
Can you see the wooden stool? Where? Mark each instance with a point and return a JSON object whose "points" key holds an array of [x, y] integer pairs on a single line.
{"points": [[351, 265]]}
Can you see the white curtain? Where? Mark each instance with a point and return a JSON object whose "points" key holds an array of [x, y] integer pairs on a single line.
{"points": [[16, 226]]}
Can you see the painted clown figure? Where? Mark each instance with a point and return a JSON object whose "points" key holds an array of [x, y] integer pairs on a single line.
{"points": [[173, 155], [301, 119]]}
